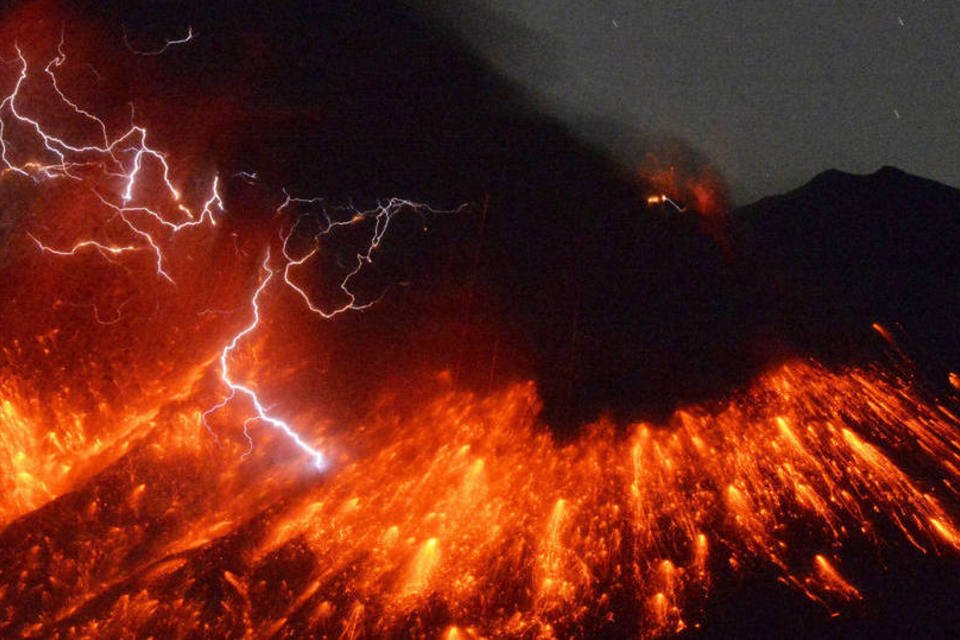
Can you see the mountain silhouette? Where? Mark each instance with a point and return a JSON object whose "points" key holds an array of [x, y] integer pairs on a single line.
{"points": [[846, 251]]}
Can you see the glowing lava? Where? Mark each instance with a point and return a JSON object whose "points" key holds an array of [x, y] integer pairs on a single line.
{"points": [[462, 513]]}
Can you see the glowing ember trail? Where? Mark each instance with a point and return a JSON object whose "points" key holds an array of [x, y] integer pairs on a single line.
{"points": [[442, 513]]}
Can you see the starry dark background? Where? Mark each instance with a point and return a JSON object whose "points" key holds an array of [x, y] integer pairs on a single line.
{"points": [[772, 92]]}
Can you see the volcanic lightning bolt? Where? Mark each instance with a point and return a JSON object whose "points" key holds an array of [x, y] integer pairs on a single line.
{"points": [[127, 163], [163, 49], [318, 459], [382, 214], [121, 158], [131, 214]]}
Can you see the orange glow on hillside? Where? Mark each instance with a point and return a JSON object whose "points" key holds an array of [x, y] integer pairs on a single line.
{"points": [[699, 189]]}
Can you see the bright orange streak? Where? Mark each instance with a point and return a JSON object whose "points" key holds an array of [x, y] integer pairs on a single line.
{"points": [[832, 579]]}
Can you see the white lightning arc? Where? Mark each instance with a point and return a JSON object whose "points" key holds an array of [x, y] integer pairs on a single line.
{"points": [[166, 45], [382, 215], [123, 159], [317, 458]]}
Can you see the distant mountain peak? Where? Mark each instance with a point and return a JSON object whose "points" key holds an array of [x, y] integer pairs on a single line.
{"points": [[830, 177], [846, 250]]}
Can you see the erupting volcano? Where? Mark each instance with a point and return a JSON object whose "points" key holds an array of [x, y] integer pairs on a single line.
{"points": [[231, 408]]}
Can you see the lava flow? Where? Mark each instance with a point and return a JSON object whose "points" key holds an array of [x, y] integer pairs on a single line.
{"points": [[160, 480]]}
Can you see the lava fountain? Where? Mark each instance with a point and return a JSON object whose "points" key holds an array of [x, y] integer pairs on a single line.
{"points": [[159, 479]]}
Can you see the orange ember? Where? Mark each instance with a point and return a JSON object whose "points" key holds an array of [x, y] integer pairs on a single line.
{"points": [[465, 514], [697, 189], [158, 476]]}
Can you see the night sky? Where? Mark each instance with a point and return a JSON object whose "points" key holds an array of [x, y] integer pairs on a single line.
{"points": [[770, 92]]}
